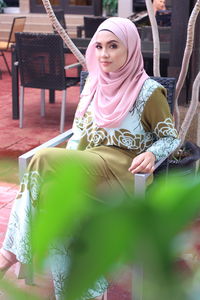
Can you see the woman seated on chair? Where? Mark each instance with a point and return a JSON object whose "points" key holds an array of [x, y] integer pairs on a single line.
{"points": [[122, 126]]}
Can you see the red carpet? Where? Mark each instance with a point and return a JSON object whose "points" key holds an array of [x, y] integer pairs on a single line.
{"points": [[15, 141]]}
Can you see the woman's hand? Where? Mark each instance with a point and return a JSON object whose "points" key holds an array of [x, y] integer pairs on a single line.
{"points": [[143, 163]]}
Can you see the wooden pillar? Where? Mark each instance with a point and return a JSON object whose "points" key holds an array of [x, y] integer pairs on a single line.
{"points": [[98, 7], [195, 59], [179, 20]]}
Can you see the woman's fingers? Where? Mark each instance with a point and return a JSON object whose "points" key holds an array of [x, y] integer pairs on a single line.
{"points": [[137, 164], [143, 163], [143, 168]]}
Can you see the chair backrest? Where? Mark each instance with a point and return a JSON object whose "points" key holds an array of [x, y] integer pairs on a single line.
{"points": [[41, 60], [163, 17], [168, 82], [18, 25], [91, 24], [60, 15]]}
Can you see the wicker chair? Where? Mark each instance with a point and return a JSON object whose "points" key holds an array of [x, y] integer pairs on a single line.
{"points": [[17, 26], [42, 65], [90, 26]]}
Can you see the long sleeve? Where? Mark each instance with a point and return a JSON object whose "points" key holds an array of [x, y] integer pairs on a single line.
{"points": [[157, 118]]}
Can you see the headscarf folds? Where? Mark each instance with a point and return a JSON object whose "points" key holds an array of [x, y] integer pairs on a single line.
{"points": [[113, 94]]}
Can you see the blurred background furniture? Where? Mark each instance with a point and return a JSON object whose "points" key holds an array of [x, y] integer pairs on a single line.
{"points": [[163, 17], [59, 13], [90, 26], [41, 64], [81, 43], [17, 26]]}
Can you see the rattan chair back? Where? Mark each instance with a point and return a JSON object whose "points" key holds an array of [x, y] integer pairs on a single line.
{"points": [[41, 60]]}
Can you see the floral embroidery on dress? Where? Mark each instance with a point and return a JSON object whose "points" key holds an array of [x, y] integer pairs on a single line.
{"points": [[165, 128], [124, 139], [148, 87], [162, 150], [34, 185], [97, 137], [32, 182], [85, 123], [131, 135], [23, 185]]}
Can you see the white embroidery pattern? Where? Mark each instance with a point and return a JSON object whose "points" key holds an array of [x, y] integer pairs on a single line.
{"points": [[131, 134], [165, 128]]}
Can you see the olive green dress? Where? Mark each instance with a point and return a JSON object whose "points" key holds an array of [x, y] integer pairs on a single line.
{"points": [[104, 155]]}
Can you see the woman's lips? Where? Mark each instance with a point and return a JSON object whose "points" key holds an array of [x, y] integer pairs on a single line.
{"points": [[105, 63]]}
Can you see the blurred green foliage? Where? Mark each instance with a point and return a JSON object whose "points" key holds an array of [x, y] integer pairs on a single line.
{"points": [[112, 230], [9, 170], [110, 6]]}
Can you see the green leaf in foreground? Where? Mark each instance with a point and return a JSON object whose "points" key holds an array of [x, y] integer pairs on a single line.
{"points": [[64, 202], [111, 231]]}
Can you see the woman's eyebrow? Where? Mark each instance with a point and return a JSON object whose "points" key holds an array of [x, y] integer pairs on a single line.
{"points": [[109, 42]]}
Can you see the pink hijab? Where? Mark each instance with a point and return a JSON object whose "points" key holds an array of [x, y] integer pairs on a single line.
{"points": [[114, 93]]}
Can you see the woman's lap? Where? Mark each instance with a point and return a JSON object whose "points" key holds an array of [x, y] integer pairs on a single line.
{"points": [[91, 165]]}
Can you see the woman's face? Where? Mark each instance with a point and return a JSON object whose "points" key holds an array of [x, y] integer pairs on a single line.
{"points": [[111, 53], [159, 4]]}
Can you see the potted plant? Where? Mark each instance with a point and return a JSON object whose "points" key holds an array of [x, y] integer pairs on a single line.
{"points": [[2, 5], [110, 7]]}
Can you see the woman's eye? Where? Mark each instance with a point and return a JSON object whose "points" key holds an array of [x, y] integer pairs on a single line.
{"points": [[113, 46], [98, 47]]}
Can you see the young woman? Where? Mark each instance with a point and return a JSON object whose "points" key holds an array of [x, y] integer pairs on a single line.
{"points": [[121, 127]]}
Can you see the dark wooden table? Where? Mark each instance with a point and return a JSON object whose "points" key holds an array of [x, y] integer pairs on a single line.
{"points": [[15, 85]]}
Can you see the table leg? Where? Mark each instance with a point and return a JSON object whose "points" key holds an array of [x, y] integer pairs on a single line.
{"points": [[51, 96], [15, 86]]}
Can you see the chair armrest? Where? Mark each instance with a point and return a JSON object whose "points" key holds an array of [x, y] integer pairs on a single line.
{"points": [[24, 159], [72, 66], [140, 179]]}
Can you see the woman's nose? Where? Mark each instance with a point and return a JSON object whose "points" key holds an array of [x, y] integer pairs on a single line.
{"points": [[104, 52]]}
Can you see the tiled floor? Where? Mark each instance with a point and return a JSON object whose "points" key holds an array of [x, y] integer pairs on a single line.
{"points": [[7, 194]]}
